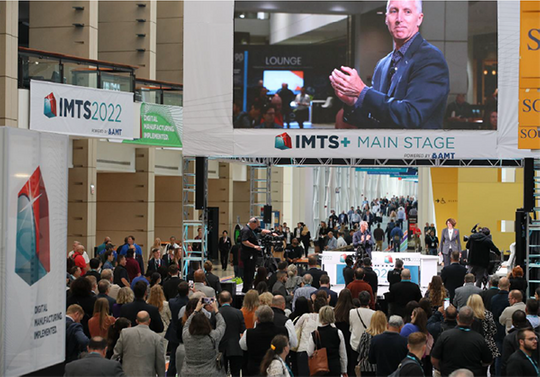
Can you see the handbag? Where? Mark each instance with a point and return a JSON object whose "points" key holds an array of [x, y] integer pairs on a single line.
{"points": [[219, 356], [318, 362], [298, 332]]}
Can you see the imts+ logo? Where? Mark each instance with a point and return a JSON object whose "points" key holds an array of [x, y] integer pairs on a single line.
{"points": [[32, 261], [284, 141], [388, 259], [49, 107]]}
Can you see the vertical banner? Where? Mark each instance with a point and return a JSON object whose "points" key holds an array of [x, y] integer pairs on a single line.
{"points": [[33, 183]]}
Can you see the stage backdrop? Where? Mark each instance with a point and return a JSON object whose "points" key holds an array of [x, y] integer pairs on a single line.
{"points": [[33, 223], [208, 96]]}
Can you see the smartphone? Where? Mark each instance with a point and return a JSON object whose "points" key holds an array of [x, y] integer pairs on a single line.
{"points": [[208, 300], [190, 283], [446, 303]]}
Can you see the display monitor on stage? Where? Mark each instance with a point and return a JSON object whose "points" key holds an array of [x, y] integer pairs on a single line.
{"points": [[272, 80]]}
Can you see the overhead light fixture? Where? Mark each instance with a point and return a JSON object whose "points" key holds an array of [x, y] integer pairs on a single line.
{"points": [[242, 15], [141, 20], [380, 12], [78, 8], [141, 5], [141, 50], [485, 72], [141, 35], [78, 25], [261, 15], [494, 72]]}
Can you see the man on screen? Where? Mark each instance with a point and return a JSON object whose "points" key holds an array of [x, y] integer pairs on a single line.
{"points": [[410, 85]]}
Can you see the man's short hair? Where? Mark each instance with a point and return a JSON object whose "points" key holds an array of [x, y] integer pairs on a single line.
{"points": [[519, 319], [522, 333], [454, 255], [307, 279], [364, 298], [532, 306], [516, 295], [225, 297], [359, 273], [280, 274], [103, 286], [130, 253], [199, 276], [266, 108], [450, 313], [417, 340], [466, 315], [139, 289], [97, 343], [395, 321], [312, 260], [94, 263], [183, 289], [119, 258], [325, 279], [399, 263], [469, 278], [494, 281], [92, 279], [264, 314], [173, 269], [253, 220], [108, 253], [367, 261], [107, 274], [349, 261], [282, 265], [74, 308]]}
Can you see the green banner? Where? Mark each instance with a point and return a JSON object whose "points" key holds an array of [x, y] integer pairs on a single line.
{"points": [[161, 126]]}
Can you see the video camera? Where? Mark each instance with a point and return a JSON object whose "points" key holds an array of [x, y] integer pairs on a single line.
{"points": [[267, 241], [473, 230]]}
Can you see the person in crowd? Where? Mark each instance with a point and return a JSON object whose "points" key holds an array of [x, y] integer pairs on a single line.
{"points": [[80, 257], [268, 117], [394, 276], [441, 320], [412, 365], [80, 293], [202, 343], [389, 348], [293, 281], [237, 265], [249, 306], [489, 329], [157, 298], [362, 239], [321, 236], [132, 266], [510, 342], [141, 349], [95, 363], [295, 251], [432, 242], [125, 296], [94, 268], [450, 241], [265, 298], [303, 103], [315, 271], [388, 231], [436, 292], [348, 271], [240, 118], [458, 111], [498, 303], [76, 339], [370, 276], [377, 326], [184, 314], [418, 323], [101, 248], [281, 266], [403, 292], [100, 322], [331, 242], [273, 363], [517, 280], [287, 96], [515, 300], [304, 327], [199, 284], [155, 263], [378, 234], [261, 277], [137, 251], [139, 304], [493, 289], [480, 246], [170, 284], [146, 278], [461, 348], [325, 286], [305, 237], [108, 257], [104, 288], [360, 285], [401, 217], [113, 289], [211, 279], [531, 308], [490, 120], [279, 287], [521, 362], [281, 319], [257, 340], [341, 311], [250, 250], [175, 305], [121, 276], [462, 293], [396, 235], [453, 274], [333, 220], [306, 290], [303, 306], [360, 319], [341, 243], [235, 327], [224, 247], [331, 338]]}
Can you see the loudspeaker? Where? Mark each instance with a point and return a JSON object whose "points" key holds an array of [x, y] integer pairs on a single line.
{"points": [[267, 215], [213, 232], [528, 185], [201, 179]]}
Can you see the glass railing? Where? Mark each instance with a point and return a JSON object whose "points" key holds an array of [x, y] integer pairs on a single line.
{"points": [[159, 92]]}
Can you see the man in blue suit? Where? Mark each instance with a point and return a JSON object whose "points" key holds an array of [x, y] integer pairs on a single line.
{"points": [[410, 85]]}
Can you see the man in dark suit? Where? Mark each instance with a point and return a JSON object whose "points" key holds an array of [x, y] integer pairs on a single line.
{"points": [[499, 302], [363, 238], [370, 276], [103, 288], [315, 271], [170, 285], [95, 363], [410, 85], [130, 310], [175, 304], [76, 340], [403, 292], [229, 345], [453, 275], [211, 279], [489, 293], [155, 262]]}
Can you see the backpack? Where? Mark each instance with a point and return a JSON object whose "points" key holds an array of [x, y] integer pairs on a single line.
{"points": [[406, 361]]}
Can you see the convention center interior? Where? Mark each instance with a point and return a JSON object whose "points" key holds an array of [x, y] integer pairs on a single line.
{"points": [[270, 188]]}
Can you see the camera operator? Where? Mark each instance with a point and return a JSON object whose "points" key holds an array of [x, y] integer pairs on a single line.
{"points": [[294, 251], [250, 250], [363, 239], [479, 245]]}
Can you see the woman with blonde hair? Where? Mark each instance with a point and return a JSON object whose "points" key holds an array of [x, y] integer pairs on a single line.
{"points": [[125, 296], [294, 280], [250, 305], [99, 324], [485, 317], [305, 237], [266, 299], [377, 326], [157, 245]]}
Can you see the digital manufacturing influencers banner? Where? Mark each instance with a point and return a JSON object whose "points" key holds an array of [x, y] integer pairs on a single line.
{"points": [[33, 224], [161, 126], [75, 110]]}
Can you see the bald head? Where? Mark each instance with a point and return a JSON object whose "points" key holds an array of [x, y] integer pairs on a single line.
{"points": [[278, 302], [79, 249], [143, 318], [198, 276], [504, 284], [406, 274]]}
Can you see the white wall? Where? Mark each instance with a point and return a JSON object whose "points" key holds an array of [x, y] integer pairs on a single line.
{"points": [[284, 26]]}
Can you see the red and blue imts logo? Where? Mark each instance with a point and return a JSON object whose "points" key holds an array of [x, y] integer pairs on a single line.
{"points": [[32, 260], [49, 107], [388, 259], [283, 141]]}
